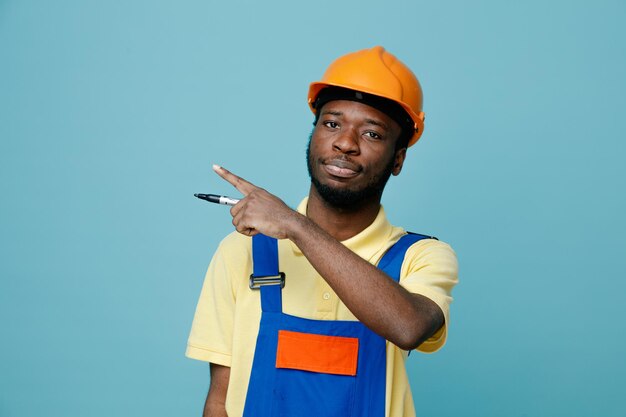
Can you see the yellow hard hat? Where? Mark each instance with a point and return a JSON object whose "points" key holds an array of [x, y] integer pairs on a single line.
{"points": [[375, 71]]}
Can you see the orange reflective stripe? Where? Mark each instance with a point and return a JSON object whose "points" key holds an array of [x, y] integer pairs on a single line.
{"points": [[317, 353]]}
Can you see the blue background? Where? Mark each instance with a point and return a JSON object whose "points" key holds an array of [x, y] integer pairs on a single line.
{"points": [[111, 114]]}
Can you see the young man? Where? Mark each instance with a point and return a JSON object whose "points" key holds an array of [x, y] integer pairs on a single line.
{"points": [[343, 294]]}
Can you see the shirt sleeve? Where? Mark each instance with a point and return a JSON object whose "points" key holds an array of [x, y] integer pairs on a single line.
{"points": [[430, 268], [211, 333]]}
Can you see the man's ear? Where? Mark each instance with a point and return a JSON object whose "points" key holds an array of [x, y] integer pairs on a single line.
{"points": [[398, 161]]}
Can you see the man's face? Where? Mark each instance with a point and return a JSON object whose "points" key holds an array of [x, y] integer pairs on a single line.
{"points": [[351, 153]]}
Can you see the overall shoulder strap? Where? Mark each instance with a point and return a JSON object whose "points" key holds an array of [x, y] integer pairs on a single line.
{"points": [[265, 263], [391, 262]]}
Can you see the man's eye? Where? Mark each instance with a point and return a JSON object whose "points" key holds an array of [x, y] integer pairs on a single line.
{"points": [[331, 124], [373, 135]]}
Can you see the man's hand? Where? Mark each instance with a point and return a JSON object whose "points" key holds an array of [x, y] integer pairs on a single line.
{"points": [[259, 211]]}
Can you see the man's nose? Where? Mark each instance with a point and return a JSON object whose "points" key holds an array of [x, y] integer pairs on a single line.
{"points": [[347, 141]]}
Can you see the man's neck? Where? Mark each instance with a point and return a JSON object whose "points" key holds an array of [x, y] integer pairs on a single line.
{"points": [[341, 223]]}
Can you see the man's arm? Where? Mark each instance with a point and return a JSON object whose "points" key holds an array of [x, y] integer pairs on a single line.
{"points": [[215, 405], [380, 303]]}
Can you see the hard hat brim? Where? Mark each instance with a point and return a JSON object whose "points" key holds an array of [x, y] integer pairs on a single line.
{"points": [[417, 118]]}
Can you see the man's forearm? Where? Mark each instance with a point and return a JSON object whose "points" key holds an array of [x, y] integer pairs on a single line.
{"points": [[399, 316], [215, 405], [212, 409]]}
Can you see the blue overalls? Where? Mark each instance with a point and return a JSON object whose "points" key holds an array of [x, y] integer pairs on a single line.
{"points": [[288, 378]]}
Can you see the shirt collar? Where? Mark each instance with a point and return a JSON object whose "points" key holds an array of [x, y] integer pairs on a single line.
{"points": [[368, 242]]}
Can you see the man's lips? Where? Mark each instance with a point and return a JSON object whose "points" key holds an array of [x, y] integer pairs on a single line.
{"points": [[341, 168]]}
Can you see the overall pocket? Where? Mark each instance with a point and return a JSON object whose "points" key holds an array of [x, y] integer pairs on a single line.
{"points": [[315, 375]]}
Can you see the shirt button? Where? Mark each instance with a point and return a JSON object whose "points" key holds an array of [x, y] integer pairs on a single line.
{"points": [[326, 296]]}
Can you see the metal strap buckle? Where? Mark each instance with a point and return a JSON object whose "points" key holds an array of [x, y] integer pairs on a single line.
{"points": [[259, 281]]}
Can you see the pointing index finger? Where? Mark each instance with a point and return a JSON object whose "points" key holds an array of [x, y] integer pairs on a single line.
{"points": [[239, 183]]}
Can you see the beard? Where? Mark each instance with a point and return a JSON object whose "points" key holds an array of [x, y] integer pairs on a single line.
{"points": [[345, 198]]}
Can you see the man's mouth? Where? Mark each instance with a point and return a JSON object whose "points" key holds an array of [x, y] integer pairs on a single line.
{"points": [[341, 168]]}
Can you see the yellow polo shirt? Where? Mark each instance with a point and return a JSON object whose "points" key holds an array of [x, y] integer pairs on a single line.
{"points": [[226, 322]]}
